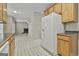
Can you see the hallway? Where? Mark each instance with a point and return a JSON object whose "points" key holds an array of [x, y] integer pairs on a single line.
{"points": [[27, 46]]}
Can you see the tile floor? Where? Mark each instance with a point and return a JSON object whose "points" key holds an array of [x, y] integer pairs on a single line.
{"points": [[27, 46]]}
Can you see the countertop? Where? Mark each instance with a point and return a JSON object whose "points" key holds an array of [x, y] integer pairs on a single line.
{"points": [[63, 34], [6, 37]]}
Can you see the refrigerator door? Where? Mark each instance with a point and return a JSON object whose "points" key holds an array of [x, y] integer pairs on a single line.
{"points": [[47, 29], [51, 25]]}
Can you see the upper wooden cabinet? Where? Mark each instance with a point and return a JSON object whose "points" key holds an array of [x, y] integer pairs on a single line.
{"points": [[57, 8], [69, 12], [45, 12], [3, 12], [50, 10], [54, 8]]}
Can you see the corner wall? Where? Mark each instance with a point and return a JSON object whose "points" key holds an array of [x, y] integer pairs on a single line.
{"points": [[35, 25]]}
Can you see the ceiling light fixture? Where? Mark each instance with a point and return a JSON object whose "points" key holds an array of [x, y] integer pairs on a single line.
{"points": [[14, 11]]}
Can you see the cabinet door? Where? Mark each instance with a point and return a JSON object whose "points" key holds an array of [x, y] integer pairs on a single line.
{"points": [[5, 12], [69, 12], [50, 10], [57, 8], [11, 46], [59, 46], [1, 11], [45, 12], [64, 48]]}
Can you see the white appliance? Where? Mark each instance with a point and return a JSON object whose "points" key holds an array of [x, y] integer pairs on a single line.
{"points": [[51, 25]]}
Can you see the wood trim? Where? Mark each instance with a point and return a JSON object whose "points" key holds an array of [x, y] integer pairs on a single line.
{"points": [[62, 34], [11, 46], [11, 41], [4, 7], [53, 6], [70, 48], [63, 40], [7, 39], [50, 6]]}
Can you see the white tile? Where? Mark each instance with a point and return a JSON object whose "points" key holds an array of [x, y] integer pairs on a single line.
{"points": [[27, 46]]}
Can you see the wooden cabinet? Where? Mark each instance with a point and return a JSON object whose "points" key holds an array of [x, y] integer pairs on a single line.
{"points": [[54, 8], [57, 8], [11, 47], [11, 41], [64, 45], [69, 12], [50, 10], [3, 12], [64, 48], [45, 12]]}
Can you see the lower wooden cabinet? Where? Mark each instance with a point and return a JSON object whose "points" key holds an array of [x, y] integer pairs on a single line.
{"points": [[64, 45], [11, 46]]}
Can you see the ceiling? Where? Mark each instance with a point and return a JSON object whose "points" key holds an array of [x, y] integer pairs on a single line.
{"points": [[24, 10]]}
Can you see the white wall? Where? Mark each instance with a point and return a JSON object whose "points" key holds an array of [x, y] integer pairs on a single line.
{"points": [[20, 27], [35, 25], [10, 25]]}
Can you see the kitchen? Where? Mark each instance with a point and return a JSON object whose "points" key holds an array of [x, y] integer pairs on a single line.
{"points": [[66, 22], [67, 42]]}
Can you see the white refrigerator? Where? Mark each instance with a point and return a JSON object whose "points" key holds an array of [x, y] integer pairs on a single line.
{"points": [[51, 25]]}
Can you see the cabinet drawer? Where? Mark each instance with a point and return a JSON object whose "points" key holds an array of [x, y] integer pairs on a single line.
{"points": [[60, 37], [66, 48], [63, 47], [66, 38]]}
